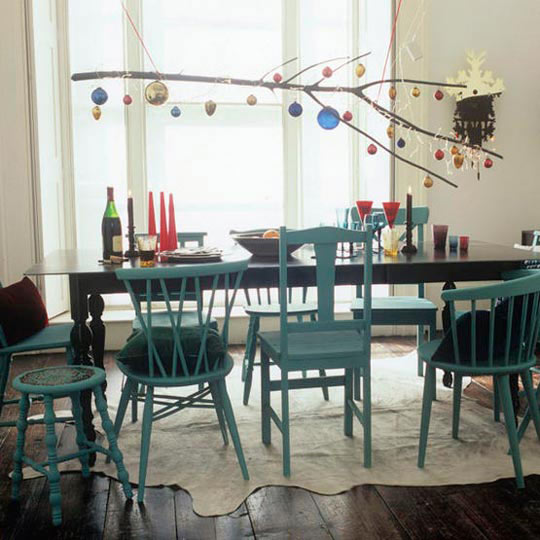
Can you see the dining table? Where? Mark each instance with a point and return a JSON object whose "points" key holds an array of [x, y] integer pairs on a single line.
{"points": [[89, 280]]}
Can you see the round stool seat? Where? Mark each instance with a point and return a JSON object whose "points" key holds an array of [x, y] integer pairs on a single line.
{"points": [[59, 380]]}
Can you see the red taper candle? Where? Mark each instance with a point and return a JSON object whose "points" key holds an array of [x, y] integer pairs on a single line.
{"points": [[151, 214], [173, 239], [163, 235]]}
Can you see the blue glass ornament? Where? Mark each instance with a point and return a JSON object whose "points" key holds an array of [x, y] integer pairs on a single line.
{"points": [[175, 111], [295, 109], [99, 96], [328, 118], [401, 143]]}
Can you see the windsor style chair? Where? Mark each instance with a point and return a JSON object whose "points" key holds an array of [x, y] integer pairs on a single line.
{"points": [[321, 344], [179, 356], [402, 310], [500, 346]]}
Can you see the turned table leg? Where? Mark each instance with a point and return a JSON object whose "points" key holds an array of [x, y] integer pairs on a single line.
{"points": [[447, 377], [96, 305]]}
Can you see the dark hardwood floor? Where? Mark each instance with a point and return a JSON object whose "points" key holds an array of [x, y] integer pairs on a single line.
{"points": [[96, 508]]}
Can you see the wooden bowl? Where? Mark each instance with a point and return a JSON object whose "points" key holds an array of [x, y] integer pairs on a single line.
{"points": [[267, 248]]}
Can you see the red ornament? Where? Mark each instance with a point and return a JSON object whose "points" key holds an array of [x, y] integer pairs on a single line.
{"points": [[488, 163], [277, 77], [438, 95], [127, 99], [347, 116], [372, 149], [327, 72], [439, 154]]}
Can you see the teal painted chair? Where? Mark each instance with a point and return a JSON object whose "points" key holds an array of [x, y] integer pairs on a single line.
{"points": [[402, 310], [177, 365], [513, 356], [55, 336], [50, 384], [260, 307], [321, 344]]}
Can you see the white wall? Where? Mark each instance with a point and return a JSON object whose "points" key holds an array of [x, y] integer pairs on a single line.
{"points": [[16, 209]]}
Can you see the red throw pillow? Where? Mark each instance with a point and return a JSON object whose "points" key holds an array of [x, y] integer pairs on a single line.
{"points": [[22, 312]]}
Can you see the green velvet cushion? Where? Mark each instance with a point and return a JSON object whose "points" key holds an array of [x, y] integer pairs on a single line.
{"points": [[135, 352]]}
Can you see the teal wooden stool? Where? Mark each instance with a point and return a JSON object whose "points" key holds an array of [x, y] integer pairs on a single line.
{"points": [[52, 383], [509, 351]]}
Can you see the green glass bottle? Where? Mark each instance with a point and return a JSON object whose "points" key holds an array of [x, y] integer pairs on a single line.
{"points": [[111, 229]]}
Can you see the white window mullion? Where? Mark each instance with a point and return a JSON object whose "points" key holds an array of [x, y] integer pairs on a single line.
{"points": [[135, 118], [355, 189]]}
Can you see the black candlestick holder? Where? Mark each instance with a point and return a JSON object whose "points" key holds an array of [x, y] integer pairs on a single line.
{"points": [[409, 248], [132, 252]]}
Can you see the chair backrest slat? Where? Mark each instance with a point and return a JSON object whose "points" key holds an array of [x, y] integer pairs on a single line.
{"points": [[509, 325], [491, 338], [453, 328], [522, 325], [473, 332]]}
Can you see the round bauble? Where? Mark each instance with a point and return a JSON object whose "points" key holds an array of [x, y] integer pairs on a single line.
{"points": [[156, 93]]}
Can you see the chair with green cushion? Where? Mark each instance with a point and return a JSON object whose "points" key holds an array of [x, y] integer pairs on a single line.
{"points": [[321, 344], [260, 307], [50, 384], [176, 355], [55, 336], [498, 343], [401, 310]]}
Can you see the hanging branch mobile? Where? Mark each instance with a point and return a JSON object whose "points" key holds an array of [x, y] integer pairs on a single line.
{"points": [[156, 93]]}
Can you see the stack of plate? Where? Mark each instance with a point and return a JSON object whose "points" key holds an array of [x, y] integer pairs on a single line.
{"points": [[193, 255]]}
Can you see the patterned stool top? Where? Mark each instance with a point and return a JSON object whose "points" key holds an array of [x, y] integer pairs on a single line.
{"points": [[57, 375]]}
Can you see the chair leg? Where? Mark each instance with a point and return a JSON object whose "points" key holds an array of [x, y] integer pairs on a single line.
{"points": [[81, 437], [348, 414], [357, 386], [366, 382], [285, 424], [127, 393], [427, 399], [218, 405], [510, 423], [322, 373], [229, 414], [5, 362], [22, 424], [527, 416], [253, 329], [146, 434], [101, 406], [135, 402], [265, 399], [458, 380], [496, 402], [249, 340], [532, 410], [55, 497]]}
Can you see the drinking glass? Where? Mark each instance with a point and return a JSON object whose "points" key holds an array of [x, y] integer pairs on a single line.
{"points": [[390, 241], [147, 249], [464, 243], [439, 233], [453, 242], [342, 216]]}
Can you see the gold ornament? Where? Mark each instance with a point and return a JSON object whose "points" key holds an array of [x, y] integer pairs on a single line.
{"points": [[360, 70], [210, 107], [392, 92], [454, 150], [415, 92], [390, 131], [458, 160], [96, 112], [428, 181], [156, 93], [251, 100]]}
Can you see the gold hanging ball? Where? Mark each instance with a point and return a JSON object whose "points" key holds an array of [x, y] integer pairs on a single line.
{"points": [[415, 92], [428, 181], [251, 100], [392, 92], [210, 107], [96, 112], [454, 150], [390, 131], [458, 160], [156, 93], [360, 70]]}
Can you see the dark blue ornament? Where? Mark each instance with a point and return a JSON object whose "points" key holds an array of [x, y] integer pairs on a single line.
{"points": [[99, 96], [175, 111], [328, 118], [295, 109], [401, 143]]}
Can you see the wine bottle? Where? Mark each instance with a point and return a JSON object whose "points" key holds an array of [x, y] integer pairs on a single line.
{"points": [[111, 229]]}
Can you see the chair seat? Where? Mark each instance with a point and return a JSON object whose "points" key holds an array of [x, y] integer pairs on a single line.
{"points": [[161, 319], [272, 310], [427, 350], [59, 380], [142, 378], [395, 303], [51, 337], [322, 345]]}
